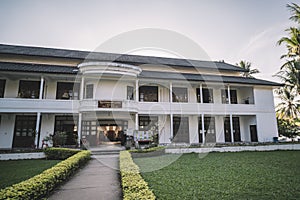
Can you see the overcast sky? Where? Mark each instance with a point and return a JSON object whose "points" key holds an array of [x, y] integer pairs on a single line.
{"points": [[229, 30]]}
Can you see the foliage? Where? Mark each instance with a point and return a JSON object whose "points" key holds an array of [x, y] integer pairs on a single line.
{"points": [[295, 12], [147, 150], [133, 185], [287, 128], [40, 185], [59, 153], [59, 139], [15, 171], [247, 66], [242, 175], [289, 108], [292, 43]]}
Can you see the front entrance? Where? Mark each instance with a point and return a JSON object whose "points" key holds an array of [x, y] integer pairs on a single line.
{"points": [[103, 131]]}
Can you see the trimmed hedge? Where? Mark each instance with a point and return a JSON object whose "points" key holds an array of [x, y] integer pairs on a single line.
{"points": [[40, 185], [59, 153], [133, 185], [147, 150]]}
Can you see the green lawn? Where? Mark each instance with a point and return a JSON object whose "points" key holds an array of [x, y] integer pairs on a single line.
{"points": [[243, 175], [15, 171]]}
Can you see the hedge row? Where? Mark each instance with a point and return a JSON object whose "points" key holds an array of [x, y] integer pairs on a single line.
{"points": [[133, 185], [147, 150], [40, 185], [59, 153]]}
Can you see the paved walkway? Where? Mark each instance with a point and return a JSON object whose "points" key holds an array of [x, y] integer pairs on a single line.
{"points": [[99, 179]]}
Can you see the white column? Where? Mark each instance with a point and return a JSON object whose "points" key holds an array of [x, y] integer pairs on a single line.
{"points": [[170, 89], [136, 90], [37, 129], [231, 128], [136, 121], [171, 114], [81, 88], [228, 92], [202, 128], [171, 125], [79, 128], [201, 94], [41, 88]]}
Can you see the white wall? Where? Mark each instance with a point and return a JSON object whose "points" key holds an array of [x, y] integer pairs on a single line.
{"points": [[217, 95], [245, 122], [110, 90], [47, 126], [7, 130], [164, 129], [263, 98], [219, 123], [193, 129], [50, 89], [266, 127], [11, 88]]}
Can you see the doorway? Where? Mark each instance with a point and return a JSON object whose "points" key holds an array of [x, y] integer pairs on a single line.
{"points": [[24, 133], [181, 129], [253, 133]]}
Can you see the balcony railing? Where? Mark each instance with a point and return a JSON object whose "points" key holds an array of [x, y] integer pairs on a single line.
{"points": [[38, 105]]}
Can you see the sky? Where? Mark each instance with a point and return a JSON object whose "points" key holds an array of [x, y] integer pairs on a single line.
{"points": [[229, 30]]}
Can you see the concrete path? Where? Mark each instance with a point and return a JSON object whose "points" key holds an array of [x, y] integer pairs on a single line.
{"points": [[99, 179]]}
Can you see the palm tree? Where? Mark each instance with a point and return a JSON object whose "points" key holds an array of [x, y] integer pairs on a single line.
{"points": [[247, 66], [288, 108], [295, 11], [290, 75], [292, 43]]}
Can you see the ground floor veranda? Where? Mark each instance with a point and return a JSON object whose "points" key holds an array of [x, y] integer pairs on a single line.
{"points": [[21, 130]]}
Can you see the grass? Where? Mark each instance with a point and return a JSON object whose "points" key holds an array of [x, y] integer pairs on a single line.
{"points": [[15, 171], [242, 175]]}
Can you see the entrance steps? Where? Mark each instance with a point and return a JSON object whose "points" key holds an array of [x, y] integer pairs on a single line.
{"points": [[106, 150]]}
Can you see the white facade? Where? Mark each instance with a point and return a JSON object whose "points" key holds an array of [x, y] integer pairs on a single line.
{"points": [[113, 97]]}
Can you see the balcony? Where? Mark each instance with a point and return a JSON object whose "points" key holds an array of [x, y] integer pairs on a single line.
{"points": [[14, 105], [88, 105]]}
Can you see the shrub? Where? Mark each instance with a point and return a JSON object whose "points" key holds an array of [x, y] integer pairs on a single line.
{"points": [[40, 185], [59, 153], [133, 185], [147, 150]]}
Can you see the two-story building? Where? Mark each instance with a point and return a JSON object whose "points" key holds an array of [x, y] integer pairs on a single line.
{"points": [[96, 96]]}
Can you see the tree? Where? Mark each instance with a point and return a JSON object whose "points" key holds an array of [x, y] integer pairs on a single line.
{"points": [[292, 43], [290, 75], [288, 108], [295, 11], [247, 66]]}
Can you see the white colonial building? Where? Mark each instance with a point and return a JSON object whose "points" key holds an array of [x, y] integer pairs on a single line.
{"points": [[96, 96]]}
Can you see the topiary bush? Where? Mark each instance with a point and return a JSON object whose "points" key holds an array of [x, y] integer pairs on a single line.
{"points": [[59, 153], [133, 185], [40, 185]]}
